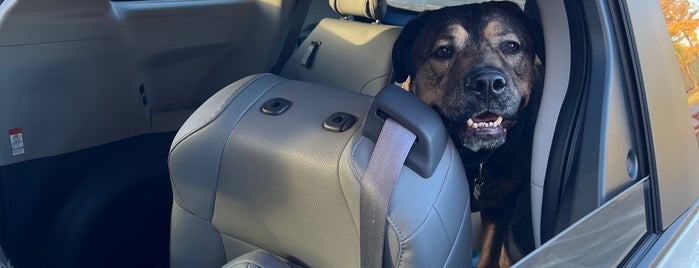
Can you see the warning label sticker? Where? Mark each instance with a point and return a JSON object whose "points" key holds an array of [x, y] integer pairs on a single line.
{"points": [[16, 141]]}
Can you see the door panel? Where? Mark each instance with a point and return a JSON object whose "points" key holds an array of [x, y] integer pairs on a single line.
{"points": [[67, 96], [79, 73], [224, 41], [85, 85]]}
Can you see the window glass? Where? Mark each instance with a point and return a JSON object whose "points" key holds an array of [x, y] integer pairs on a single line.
{"points": [[421, 5], [682, 18]]}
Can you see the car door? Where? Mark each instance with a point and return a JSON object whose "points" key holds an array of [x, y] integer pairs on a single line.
{"points": [[92, 92], [621, 174]]}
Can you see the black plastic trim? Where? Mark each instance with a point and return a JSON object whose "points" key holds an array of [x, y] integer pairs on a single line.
{"points": [[276, 106], [640, 114], [567, 136], [421, 119], [339, 122]]}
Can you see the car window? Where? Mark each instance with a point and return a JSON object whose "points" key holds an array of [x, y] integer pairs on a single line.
{"points": [[421, 5], [682, 18]]}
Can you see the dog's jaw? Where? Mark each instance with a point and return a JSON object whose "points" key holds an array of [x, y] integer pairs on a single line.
{"points": [[483, 131], [473, 148], [476, 140]]}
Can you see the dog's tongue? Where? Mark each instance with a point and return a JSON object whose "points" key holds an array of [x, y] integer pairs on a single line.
{"points": [[485, 117]]}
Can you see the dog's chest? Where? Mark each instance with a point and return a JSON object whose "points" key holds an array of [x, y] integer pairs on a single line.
{"points": [[490, 180]]}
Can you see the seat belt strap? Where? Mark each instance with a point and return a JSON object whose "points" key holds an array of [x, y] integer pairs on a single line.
{"points": [[293, 30], [377, 185]]}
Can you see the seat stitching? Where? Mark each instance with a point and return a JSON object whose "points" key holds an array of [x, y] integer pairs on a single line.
{"points": [[225, 144], [178, 197], [218, 111], [371, 80], [400, 240], [351, 160], [441, 190], [354, 162]]}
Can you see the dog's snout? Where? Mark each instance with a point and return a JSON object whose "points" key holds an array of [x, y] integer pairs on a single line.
{"points": [[487, 81]]}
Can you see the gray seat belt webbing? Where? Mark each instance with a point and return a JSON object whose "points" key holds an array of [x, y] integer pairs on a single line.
{"points": [[384, 166]]}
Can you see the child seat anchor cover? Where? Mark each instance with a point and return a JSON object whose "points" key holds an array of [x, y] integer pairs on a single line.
{"points": [[248, 185]]}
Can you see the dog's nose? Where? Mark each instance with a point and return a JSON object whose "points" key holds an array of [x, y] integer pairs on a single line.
{"points": [[491, 81]]}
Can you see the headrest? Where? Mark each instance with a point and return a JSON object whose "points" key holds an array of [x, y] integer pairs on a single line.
{"points": [[372, 9]]}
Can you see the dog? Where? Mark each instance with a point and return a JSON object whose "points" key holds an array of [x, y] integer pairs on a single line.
{"points": [[475, 64]]}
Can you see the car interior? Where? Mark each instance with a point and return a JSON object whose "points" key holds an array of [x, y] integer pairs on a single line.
{"points": [[146, 141]]}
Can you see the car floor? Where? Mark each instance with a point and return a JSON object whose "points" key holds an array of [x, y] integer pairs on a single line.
{"points": [[106, 206]]}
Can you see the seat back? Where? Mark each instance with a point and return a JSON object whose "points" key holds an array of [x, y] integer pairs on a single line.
{"points": [[245, 180], [347, 54]]}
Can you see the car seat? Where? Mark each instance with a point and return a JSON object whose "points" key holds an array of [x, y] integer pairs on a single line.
{"points": [[347, 54], [260, 179]]}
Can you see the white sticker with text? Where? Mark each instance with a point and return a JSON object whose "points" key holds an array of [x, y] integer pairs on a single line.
{"points": [[16, 141]]}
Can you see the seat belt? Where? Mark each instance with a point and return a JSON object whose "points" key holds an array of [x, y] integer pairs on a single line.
{"points": [[377, 185], [293, 30]]}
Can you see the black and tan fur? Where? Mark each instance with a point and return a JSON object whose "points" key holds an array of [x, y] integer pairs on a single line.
{"points": [[475, 63]]}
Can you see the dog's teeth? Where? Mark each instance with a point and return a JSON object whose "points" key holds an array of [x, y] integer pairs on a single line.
{"points": [[482, 124], [469, 122], [499, 120], [491, 124]]}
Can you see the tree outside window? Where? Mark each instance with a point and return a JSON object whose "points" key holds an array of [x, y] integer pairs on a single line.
{"points": [[682, 18]]}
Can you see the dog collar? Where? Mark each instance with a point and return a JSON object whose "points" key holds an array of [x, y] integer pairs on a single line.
{"points": [[479, 180], [477, 158]]}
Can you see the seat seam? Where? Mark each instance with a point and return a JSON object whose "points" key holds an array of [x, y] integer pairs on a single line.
{"points": [[441, 190], [197, 217], [453, 245], [351, 160], [217, 112], [179, 200], [441, 221], [225, 144], [371, 80], [401, 242], [354, 162], [466, 213]]}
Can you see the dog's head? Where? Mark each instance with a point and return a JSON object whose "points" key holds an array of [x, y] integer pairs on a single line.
{"points": [[473, 63]]}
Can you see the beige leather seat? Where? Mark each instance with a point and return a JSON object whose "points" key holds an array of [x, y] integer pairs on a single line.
{"points": [[347, 54], [277, 189]]}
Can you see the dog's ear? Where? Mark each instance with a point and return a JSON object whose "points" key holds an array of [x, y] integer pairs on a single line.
{"points": [[403, 60]]}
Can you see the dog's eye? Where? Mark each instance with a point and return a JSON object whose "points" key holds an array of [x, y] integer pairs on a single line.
{"points": [[510, 47], [443, 52]]}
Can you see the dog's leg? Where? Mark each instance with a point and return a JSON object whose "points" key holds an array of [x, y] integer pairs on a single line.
{"points": [[504, 255], [494, 224]]}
